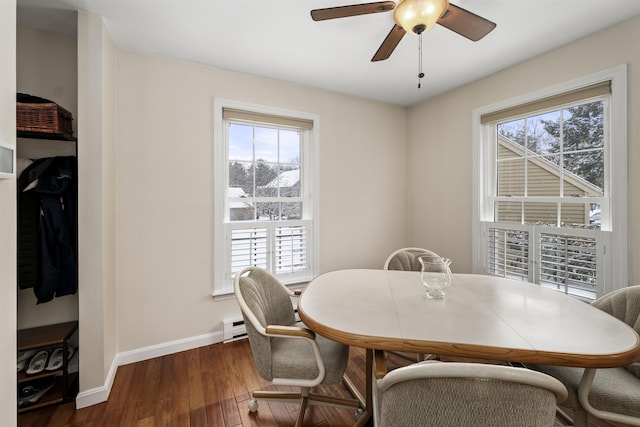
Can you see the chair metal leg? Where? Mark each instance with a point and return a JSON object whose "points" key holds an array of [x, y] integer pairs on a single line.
{"points": [[303, 407], [563, 416], [414, 357], [278, 396], [337, 402], [353, 390], [305, 398], [366, 414], [410, 357]]}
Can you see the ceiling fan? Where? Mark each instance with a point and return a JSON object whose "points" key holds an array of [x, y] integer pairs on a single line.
{"points": [[416, 16]]}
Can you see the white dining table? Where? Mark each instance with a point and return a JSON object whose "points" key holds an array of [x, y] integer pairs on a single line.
{"points": [[481, 317]]}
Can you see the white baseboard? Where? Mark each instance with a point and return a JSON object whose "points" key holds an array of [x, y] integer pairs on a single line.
{"points": [[101, 394], [170, 347]]}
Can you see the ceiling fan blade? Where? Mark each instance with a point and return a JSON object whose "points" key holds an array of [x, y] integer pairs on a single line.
{"points": [[352, 10], [465, 23], [389, 44]]}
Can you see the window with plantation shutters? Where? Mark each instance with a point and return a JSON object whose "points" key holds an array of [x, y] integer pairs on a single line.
{"points": [[265, 180], [551, 173]]}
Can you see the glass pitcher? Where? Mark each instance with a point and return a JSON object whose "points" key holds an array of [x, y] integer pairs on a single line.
{"points": [[435, 275]]}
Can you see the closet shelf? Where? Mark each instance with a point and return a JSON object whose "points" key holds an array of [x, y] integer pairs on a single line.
{"points": [[51, 136], [45, 336]]}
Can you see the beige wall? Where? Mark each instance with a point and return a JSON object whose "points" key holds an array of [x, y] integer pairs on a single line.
{"points": [[441, 136], [47, 67], [164, 184], [96, 202], [8, 397]]}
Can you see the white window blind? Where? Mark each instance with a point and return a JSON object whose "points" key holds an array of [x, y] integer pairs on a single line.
{"points": [[565, 97]]}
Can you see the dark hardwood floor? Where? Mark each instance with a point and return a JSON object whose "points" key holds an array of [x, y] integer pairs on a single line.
{"points": [[205, 387]]}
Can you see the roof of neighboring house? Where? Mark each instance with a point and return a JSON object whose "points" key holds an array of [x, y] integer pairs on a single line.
{"points": [[285, 179], [550, 167], [237, 192]]}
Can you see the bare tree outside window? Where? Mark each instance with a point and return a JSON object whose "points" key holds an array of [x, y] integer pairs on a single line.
{"points": [[264, 176]]}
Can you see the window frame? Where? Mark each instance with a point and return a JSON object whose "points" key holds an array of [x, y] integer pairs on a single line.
{"points": [[222, 283], [483, 140]]}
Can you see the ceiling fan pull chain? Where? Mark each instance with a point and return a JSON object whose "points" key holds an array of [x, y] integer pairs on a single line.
{"points": [[420, 73]]}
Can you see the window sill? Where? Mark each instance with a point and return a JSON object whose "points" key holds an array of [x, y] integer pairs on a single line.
{"points": [[228, 294]]}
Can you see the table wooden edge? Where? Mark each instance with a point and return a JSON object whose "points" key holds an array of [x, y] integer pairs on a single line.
{"points": [[475, 351]]}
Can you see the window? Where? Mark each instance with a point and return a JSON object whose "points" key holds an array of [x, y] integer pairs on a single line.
{"points": [[551, 195], [264, 185]]}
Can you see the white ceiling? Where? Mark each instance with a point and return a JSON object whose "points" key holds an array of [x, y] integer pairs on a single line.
{"points": [[278, 39]]}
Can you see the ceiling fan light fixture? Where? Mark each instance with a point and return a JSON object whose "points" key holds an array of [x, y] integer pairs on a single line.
{"points": [[417, 16]]}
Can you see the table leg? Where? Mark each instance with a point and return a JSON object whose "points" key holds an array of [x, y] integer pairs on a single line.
{"points": [[369, 382], [367, 400], [368, 409]]}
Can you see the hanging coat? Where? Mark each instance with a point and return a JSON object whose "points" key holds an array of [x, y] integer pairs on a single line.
{"points": [[50, 186]]}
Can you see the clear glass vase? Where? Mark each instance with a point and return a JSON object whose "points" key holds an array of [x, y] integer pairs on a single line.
{"points": [[435, 275]]}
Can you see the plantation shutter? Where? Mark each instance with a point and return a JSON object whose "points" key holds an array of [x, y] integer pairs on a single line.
{"points": [[291, 249], [508, 253], [249, 246], [568, 263]]}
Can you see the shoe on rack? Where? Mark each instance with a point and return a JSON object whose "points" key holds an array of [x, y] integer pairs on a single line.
{"points": [[31, 393], [29, 390], [23, 358], [38, 362], [55, 360]]}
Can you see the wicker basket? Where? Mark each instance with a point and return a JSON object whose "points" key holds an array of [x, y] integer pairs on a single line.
{"points": [[43, 117]]}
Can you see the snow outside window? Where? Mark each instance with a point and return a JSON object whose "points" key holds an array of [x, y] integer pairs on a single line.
{"points": [[551, 194], [264, 187]]}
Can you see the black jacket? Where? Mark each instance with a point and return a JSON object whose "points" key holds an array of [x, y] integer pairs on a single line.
{"points": [[47, 228]]}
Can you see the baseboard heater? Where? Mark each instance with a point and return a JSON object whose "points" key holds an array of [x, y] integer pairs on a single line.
{"points": [[234, 329]]}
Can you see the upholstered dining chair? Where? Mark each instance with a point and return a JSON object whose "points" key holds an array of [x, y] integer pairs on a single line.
{"points": [[611, 394], [285, 352], [453, 394], [407, 259]]}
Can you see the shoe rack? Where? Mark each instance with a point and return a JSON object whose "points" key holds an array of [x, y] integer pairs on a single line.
{"points": [[49, 337]]}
